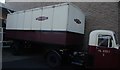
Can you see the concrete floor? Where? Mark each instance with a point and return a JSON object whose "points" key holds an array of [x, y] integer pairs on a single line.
{"points": [[28, 61]]}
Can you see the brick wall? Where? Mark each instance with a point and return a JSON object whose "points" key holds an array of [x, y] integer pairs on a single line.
{"points": [[99, 15]]}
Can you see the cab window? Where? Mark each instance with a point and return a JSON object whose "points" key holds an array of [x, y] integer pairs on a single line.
{"points": [[104, 41]]}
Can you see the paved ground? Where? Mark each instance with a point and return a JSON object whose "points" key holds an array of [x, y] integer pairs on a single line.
{"points": [[29, 61]]}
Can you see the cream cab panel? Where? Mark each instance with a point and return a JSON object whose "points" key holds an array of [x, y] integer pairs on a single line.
{"points": [[9, 23], [28, 21], [20, 22], [12, 21], [36, 24], [60, 18], [76, 20], [47, 22]]}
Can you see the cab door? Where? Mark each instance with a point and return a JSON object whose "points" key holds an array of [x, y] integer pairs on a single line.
{"points": [[106, 56]]}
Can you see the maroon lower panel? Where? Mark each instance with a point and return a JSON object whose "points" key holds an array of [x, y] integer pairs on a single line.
{"points": [[51, 37], [105, 57]]}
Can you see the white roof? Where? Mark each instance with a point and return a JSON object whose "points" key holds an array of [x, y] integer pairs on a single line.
{"points": [[102, 31], [94, 34]]}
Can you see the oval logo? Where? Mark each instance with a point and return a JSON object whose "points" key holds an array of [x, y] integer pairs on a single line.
{"points": [[77, 21], [41, 18]]}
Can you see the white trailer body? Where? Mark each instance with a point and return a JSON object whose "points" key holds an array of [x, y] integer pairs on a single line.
{"points": [[60, 17]]}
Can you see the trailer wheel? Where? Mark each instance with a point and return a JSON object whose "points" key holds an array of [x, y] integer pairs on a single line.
{"points": [[53, 59], [16, 48]]}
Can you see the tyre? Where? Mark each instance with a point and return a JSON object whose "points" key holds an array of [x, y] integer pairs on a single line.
{"points": [[16, 48], [53, 59]]}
